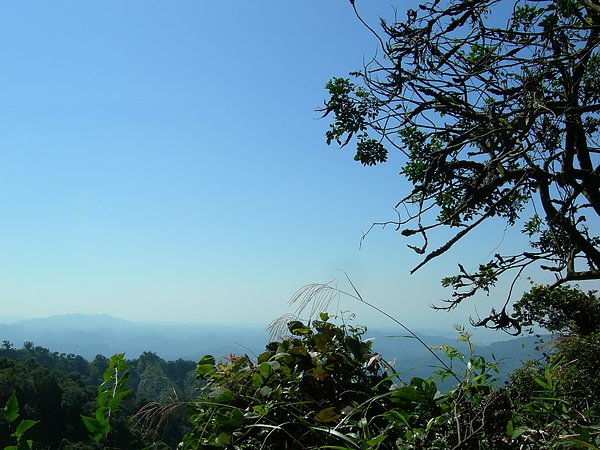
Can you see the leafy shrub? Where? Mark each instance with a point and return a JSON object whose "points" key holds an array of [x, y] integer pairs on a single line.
{"points": [[323, 387], [298, 390], [547, 416]]}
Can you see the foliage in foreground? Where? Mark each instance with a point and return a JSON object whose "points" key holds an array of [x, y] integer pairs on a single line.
{"points": [[322, 387], [9, 414], [111, 393]]}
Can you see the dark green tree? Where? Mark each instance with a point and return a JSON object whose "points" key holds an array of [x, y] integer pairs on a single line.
{"points": [[154, 384], [573, 316], [564, 309], [45, 395], [494, 106]]}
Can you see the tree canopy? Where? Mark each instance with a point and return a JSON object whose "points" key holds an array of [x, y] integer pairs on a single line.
{"points": [[563, 309], [495, 110]]}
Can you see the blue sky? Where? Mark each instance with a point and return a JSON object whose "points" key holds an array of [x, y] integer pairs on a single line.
{"points": [[164, 161]]}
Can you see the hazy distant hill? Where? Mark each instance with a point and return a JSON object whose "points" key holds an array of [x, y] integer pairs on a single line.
{"points": [[10, 319], [89, 335], [76, 321], [411, 358]]}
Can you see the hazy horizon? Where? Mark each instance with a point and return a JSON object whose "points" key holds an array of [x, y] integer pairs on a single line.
{"points": [[481, 335]]}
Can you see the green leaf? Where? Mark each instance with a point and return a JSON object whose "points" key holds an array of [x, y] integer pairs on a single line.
{"points": [[330, 414], [25, 445], [510, 431], [514, 433], [265, 369], [10, 412], [376, 441], [96, 428], [221, 395], [204, 369], [235, 419], [275, 365], [24, 426], [207, 359], [117, 363], [102, 396], [264, 356], [116, 400], [297, 328], [257, 381], [100, 414], [398, 416], [223, 439], [265, 391], [91, 423], [298, 351], [260, 409], [405, 393], [206, 365]]}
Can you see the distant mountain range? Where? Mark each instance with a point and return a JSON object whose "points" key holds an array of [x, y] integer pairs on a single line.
{"points": [[89, 335], [411, 358], [10, 319]]}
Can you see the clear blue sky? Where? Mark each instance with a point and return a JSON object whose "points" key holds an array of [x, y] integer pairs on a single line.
{"points": [[164, 161]]}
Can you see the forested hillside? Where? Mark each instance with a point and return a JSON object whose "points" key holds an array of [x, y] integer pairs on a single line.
{"points": [[56, 389]]}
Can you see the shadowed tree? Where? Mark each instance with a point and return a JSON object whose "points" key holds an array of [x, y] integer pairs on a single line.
{"points": [[494, 106]]}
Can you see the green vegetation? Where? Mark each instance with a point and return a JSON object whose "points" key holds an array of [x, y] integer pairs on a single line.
{"points": [[111, 392], [321, 386], [318, 385], [291, 395], [9, 414], [56, 390], [494, 121]]}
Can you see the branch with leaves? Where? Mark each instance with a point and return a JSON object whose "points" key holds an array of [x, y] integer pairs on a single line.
{"points": [[111, 392], [496, 119]]}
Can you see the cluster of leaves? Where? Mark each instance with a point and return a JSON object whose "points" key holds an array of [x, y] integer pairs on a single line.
{"points": [[574, 317], [562, 309], [548, 411], [111, 392], [559, 400], [322, 387], [496, 113], [9, 414], [295, 391]]}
